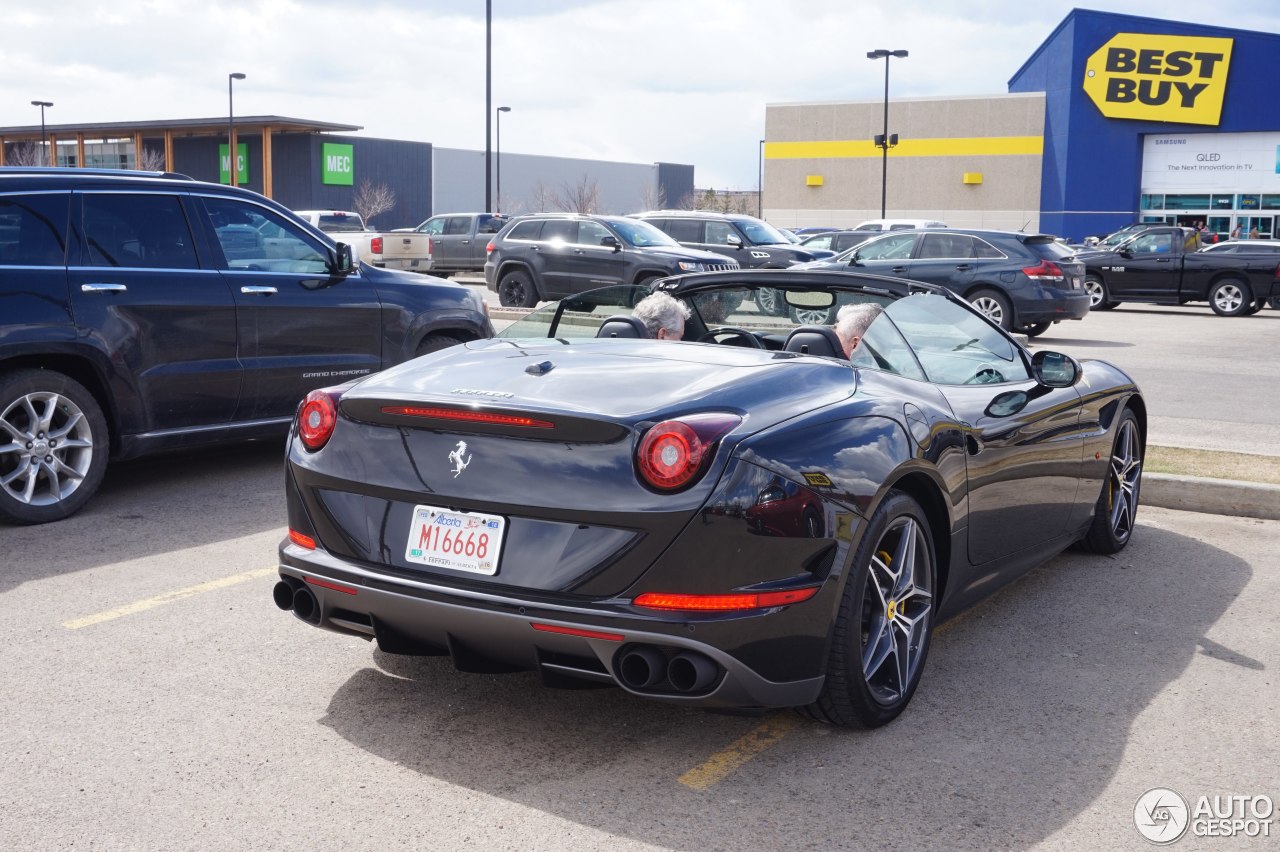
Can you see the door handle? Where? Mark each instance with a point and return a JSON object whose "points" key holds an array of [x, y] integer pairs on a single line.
{"points": [[973, 444], [466, 242], [103, 288], [1162, 260], [258, 290], [898, 270], [579, 251], [963, 267]]}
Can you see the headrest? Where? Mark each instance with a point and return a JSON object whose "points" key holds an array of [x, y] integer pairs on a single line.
{"points": [[623, 325], [814, 340]]}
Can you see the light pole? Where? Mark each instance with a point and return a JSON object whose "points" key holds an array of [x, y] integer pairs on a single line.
{"points": [[885, 142], [232, 164], [44, 140], [760, 182], [488, 105], [498, 156]]}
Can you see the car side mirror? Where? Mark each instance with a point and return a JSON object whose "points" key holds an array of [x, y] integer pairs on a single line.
{"points": [[611, 242], [342, 260], [1055, 370], [734, 241], [1124, 252]]}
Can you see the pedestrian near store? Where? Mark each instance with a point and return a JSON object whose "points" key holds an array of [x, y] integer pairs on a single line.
{"points": [[1235, 232], [1253, 232]]}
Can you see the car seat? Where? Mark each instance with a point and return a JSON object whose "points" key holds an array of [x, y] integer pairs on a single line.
{"points": [[623, 325], [814, 340]]}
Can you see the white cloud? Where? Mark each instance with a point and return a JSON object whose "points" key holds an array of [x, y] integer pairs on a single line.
{"points": [[664, 80]]}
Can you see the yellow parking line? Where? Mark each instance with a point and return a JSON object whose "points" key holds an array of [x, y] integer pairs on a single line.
{"points": [[720, 764], [167, 597]]}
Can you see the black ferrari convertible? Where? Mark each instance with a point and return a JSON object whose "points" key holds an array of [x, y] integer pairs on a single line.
{"points": [[745, 518]]}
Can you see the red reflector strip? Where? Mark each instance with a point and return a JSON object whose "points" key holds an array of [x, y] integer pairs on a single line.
{"points": [[577, 631], [723, 603], [468, 416], [302, 540], [325, 584]]}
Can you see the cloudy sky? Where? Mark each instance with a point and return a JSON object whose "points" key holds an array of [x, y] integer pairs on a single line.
{"points": [[682, 81]]}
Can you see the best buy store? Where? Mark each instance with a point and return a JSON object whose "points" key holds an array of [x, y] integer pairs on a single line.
{"points": [[1113, 119]]}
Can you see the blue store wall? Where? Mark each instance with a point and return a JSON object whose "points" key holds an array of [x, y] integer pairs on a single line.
{"points": [[1092, 168]]}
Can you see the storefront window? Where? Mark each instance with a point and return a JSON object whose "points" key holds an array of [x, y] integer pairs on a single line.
{"points": [[1153, 202], [1186, 202], [1222, 202], [66, 153], [109, 153], [1247, 202], [1271, 202]]}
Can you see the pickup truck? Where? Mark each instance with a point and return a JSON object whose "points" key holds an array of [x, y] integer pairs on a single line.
{"points": [[458, 240], [393, 250], [1161, 266]]}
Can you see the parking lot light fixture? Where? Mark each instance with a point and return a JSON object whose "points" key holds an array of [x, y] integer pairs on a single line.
{"points": [[44, 140], [760, 183], [232, 165], [885, 142], [498, 157]]}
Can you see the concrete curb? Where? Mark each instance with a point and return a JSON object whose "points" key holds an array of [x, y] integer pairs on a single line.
{"points": [[1211, 496]]}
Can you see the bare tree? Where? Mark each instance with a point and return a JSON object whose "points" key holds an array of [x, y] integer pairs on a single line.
{"points": [[581, 197], [151, 160], [688, 201], [653, 198], [541, 199], [372, 198], [25, 154]]}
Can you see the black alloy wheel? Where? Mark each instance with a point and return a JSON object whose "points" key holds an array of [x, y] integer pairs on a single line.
{"points": [[53, 446], [1117, 507], [515, 290], [881, 636]]}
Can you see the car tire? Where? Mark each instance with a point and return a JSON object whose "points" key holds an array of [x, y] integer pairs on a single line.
{"points": [[1230, 297], [770, 302], [1256, 307], [1117, 506], [435, 342], [516, 290], [1035, 330], [879, 645], [812, 316], [1099, 298], [1275, 302], [994, 305], [61, 442]]}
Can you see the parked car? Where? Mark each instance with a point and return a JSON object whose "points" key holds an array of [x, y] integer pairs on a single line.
{"points": [[752, 243], [837, 241], [1022, 282], [146, 312], [882, 225], [1105, 242], [458, 240], [1271, 247], [550, 255], [1162, 266], [752, 521], [392, 250]]}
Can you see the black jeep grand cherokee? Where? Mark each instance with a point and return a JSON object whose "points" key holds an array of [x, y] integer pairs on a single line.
{"points": [[142, 312]]}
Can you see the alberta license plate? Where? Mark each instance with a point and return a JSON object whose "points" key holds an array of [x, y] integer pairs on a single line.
{"points": [[460, 541]]}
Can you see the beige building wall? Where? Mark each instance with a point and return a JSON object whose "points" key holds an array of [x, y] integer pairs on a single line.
{"points": [[822, 168]]}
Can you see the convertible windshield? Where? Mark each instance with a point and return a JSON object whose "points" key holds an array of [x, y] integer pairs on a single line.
{"points": [[641, 234]]}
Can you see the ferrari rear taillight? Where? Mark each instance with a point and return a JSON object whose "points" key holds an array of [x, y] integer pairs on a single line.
{"points": [[375, 245], [723, 603], [317, 417], [1046, 271], [673, 453]]}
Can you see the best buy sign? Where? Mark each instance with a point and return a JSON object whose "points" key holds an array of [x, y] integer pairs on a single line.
{"points": [[337, 164], [1160, 78]]}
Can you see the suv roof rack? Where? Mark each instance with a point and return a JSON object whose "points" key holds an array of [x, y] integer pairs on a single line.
{"points": [[66, 170]]}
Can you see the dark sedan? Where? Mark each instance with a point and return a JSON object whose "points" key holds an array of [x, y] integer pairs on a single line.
{"points": [[1023, 282], [746, 520]]}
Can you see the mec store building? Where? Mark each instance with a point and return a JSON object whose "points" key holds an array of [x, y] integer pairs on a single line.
{"points": [[1114, 119], [310, 165]]}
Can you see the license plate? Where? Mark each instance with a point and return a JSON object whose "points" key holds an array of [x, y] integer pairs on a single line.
{"points": [[1076, 284], [459, 541]]}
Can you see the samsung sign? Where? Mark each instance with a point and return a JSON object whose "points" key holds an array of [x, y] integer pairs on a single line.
{"points": [[1213, 162], [1177, 79]]}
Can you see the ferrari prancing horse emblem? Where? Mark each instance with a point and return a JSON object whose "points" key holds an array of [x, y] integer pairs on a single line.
{"points": [[456, 458]]}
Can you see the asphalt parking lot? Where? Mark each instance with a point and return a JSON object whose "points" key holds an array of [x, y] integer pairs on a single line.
{"points": [[155, 698]]}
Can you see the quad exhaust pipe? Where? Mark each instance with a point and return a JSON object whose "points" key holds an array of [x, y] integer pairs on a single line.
{"points": [[646, 667], [302, 601]]}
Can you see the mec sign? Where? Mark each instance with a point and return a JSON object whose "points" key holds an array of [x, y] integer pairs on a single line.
{"points": [[1160, 78], [337, 164]]}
